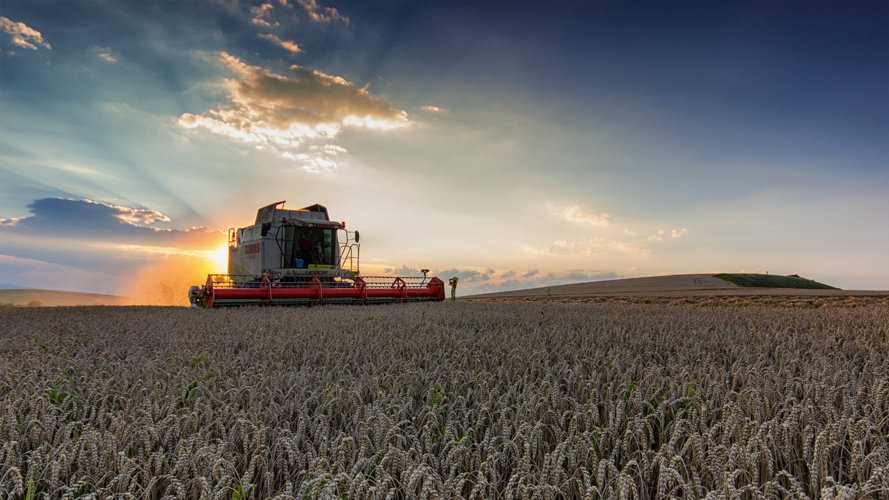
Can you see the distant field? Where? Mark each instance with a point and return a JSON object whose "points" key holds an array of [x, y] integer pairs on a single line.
{"points": [[741, 300], [773, 281], [34, 298], [686, 286], [452, 400]]}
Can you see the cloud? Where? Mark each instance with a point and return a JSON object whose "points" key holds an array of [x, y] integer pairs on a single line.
{"points": [[538, 252], [435, 109], [106, 55], [22, 35], [100, 223], [267, 108], [402, 271], [291, 46], [466, 276], [580, 215], [585, 247], [261, 10], [322, 14], [470, 276], [661, 234], [10, 222], [265, 15], [627, 248], [315, 163], [331, 149], [261, 14], [474, 281]]}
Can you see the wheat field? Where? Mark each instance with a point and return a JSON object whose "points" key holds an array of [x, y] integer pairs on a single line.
{"points": [[454, 400]]}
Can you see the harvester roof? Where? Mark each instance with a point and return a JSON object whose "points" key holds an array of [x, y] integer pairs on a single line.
{"points": [[276, 211]]}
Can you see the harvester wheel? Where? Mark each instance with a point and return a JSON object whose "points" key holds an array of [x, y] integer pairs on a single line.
{"points": [[193, 293]]}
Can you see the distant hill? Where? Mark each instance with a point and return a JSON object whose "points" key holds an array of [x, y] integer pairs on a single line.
{"points": [[36, 298], [7, 286], [670, 285], [686, 285], [773, 281]]}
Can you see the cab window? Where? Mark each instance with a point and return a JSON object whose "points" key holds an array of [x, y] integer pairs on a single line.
{"points": [[313, 246]]}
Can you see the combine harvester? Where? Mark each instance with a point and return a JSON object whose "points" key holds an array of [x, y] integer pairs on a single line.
{"points": [[301, 257]]}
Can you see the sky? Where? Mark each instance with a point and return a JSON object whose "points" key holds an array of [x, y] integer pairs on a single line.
{"points": [[511, 144]]}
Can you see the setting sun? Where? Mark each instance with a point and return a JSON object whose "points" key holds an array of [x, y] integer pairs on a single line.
{"points": [[219, 260]]}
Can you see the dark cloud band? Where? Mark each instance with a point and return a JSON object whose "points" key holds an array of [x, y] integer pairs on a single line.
{"points": [[86, 219]]}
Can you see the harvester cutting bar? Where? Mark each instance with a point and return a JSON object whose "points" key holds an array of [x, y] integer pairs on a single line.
{"points": [[230, 290]]}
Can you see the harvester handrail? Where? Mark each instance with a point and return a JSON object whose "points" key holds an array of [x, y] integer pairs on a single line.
{"points": [[350, 253]]}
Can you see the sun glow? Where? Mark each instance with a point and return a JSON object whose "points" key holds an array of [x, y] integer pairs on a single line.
{"points": [[169, 272], [219, 259]]}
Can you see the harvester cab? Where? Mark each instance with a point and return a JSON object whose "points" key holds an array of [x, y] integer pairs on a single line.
{"points": [[291, 257], [300, 244]]}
